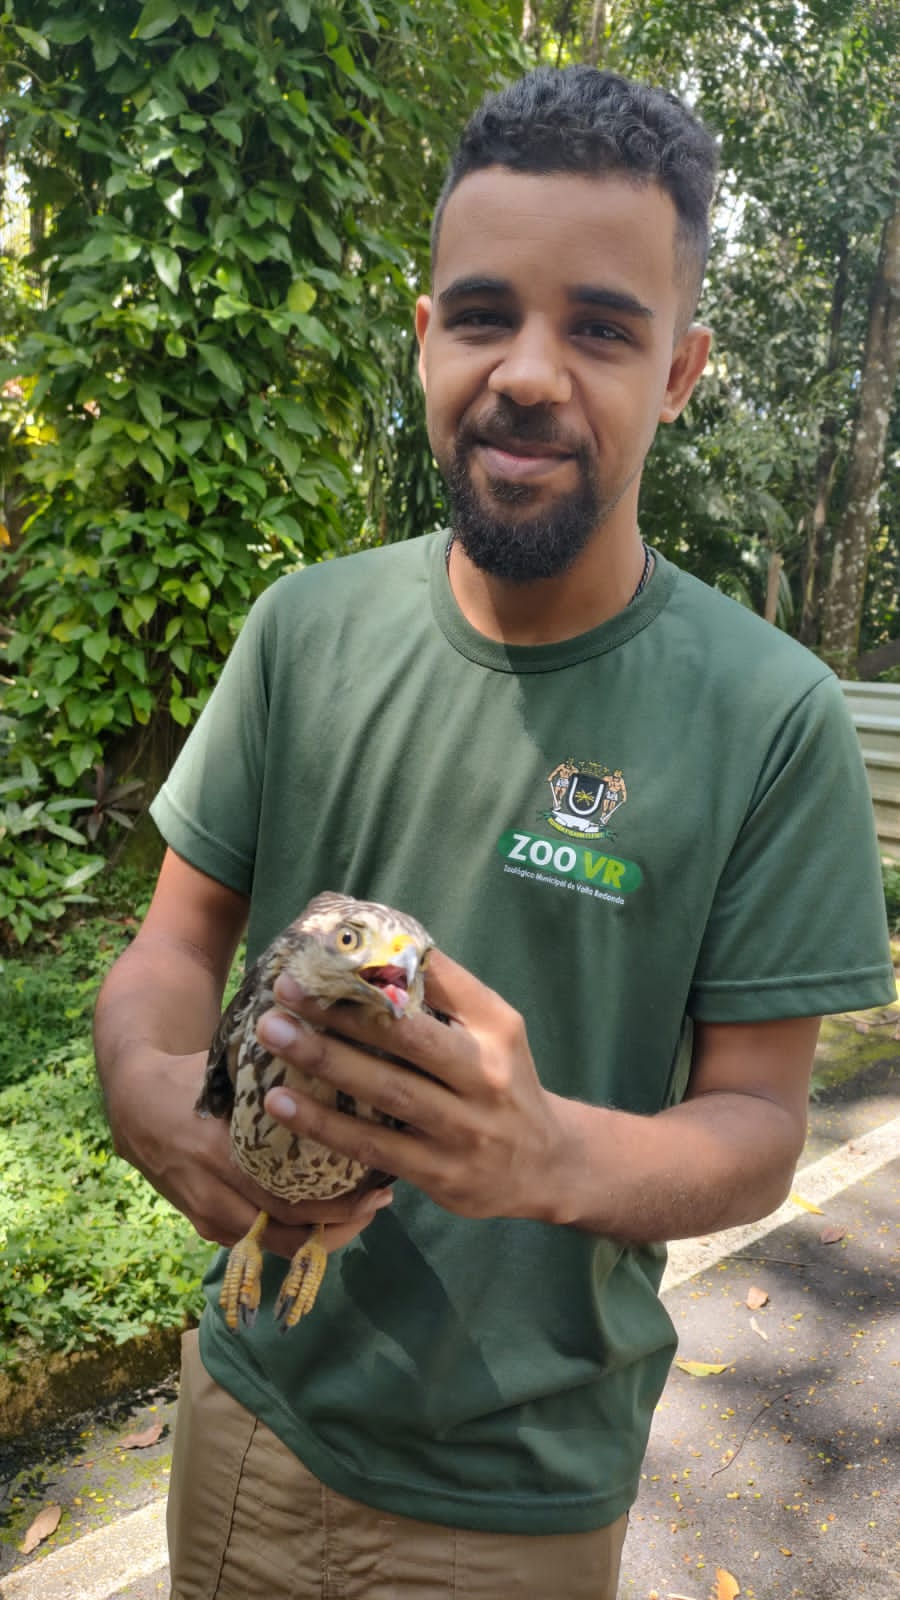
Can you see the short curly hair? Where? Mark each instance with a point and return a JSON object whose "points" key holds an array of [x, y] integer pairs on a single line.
{"points": [[588, 122]]}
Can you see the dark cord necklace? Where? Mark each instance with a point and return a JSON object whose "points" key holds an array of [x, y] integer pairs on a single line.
{"points": [[645, 575]]}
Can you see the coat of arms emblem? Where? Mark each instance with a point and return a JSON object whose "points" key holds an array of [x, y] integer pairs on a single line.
{"points": [[585, 795]]}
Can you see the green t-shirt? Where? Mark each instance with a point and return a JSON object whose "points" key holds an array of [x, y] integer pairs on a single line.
{"points": [[663, 819]]}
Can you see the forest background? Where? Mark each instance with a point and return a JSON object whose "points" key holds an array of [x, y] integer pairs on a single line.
{"points": [[214, 223]]}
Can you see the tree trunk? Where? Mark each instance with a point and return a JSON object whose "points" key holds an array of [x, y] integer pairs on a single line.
{"points": [[595, 50], [773, 584], [817, 520], [846, 582]]}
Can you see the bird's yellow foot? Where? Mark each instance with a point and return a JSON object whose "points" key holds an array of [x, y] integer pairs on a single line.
{"points": [[305, 1274], [241, 1286]]}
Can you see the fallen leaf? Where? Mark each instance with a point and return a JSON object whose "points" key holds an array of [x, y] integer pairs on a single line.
{"points": [[806, 1205], [45, 1523], [702, 1369], [756, 1298], [832, 1234], [757, 1329], [727, 1586], [785, 1551], [140, 1441]]}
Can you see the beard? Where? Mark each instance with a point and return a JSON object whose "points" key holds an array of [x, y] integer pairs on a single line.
{"points": [[519, 547]]}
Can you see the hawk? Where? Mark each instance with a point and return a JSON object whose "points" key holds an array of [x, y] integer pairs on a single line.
{"points": [[337, 949]]}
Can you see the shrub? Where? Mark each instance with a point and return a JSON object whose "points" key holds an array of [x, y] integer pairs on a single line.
{"points": [[45, 863], [232, 196]]}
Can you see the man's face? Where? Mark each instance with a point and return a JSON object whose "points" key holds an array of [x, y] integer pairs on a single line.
{"points": [[548, 356]]}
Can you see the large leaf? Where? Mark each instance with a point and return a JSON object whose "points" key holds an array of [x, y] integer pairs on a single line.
{"points": [[155, 18]]}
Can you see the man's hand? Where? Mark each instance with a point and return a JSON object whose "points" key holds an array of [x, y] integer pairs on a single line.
{"points": [[187, 1157], [483, 1138]]}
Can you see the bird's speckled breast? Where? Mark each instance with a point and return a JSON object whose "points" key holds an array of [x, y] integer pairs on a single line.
{"points": [[284, 1163]]}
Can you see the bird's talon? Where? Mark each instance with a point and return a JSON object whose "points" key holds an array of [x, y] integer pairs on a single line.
{"points": [[241, 1286], [298, 1293]]}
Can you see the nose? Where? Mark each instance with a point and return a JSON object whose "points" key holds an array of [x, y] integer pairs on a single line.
{"points": [[533, 370]]}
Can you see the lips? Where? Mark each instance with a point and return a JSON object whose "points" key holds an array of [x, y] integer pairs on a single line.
{"points": [[520, 445], [517, 458]]}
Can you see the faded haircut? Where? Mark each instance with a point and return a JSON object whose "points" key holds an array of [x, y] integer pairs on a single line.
{"points": [[590, 123]]}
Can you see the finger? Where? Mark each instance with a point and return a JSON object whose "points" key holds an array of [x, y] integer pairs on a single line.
{"points": [[449, 988], [391, 1086], [450, 1055], [457, 992], [370, 1143]]}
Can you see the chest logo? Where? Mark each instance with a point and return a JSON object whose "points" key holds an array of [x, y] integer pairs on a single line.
{"points": [[585, 796]]}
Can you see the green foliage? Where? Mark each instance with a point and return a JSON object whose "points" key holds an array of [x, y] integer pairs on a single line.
{"points": [[19, 429], [45, 863], [891, 871], [236, 195], [90, 1252], [803, 98], [47, 996]]}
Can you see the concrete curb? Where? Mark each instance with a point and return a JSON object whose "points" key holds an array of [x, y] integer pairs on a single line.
{"points": [[98, 1564]]}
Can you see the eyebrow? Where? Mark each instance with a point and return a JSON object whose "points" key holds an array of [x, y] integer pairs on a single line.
{"points": [[463, 288], [580, 294], [609, 300]]}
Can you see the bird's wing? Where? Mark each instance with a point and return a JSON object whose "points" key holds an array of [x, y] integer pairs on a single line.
{"points": [[217, 1095]]}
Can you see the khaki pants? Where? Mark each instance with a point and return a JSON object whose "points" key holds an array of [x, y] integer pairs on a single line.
{"points": [[248, 1522]]}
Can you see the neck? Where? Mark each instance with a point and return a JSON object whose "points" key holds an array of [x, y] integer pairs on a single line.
{"points": [[598, 585]]}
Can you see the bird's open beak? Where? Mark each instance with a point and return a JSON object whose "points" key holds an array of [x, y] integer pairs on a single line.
{"points": [[394, 978]]}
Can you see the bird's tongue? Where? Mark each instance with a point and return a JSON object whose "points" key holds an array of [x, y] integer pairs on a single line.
{"points": [[392, 983]]}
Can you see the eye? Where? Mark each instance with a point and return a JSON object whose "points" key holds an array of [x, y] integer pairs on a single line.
{"points": [[605, 332], [477, 319], [348, 939]]}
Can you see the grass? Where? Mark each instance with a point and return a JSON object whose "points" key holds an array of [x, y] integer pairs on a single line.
{"points": [[91, 1253]]}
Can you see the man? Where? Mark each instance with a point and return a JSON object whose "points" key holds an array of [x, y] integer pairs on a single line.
{"points": [[635, 819]]}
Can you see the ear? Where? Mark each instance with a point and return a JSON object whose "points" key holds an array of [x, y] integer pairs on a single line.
{"points": [[423, 318], [689, 358]]}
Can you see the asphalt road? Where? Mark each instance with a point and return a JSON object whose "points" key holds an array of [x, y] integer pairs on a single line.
{"points": [[780, 1471]]}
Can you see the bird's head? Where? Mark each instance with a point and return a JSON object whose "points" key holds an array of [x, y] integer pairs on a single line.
{"points": [[361, 951]]}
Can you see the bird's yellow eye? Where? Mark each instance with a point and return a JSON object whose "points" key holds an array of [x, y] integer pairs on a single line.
{"points": [[348, 939]]}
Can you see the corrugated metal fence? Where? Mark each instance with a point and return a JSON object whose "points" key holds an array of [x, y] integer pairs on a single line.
{"points": [[875, 709]]}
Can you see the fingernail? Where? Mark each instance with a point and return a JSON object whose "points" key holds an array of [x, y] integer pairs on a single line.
{"points": [[280, 1104], [384, 1197], [275, 1029]]}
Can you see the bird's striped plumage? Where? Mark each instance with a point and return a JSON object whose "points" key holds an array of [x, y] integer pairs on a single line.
{"points": [[338, 949]]}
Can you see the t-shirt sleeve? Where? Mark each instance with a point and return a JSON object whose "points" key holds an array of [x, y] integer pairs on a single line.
{"points": [[798, 924], [208, 808]]}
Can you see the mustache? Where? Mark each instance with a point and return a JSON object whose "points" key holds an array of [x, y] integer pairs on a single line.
{"points": [[508, 424]]}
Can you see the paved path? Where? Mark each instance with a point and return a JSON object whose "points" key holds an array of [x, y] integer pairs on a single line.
{"points": [[782, 1470]]}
